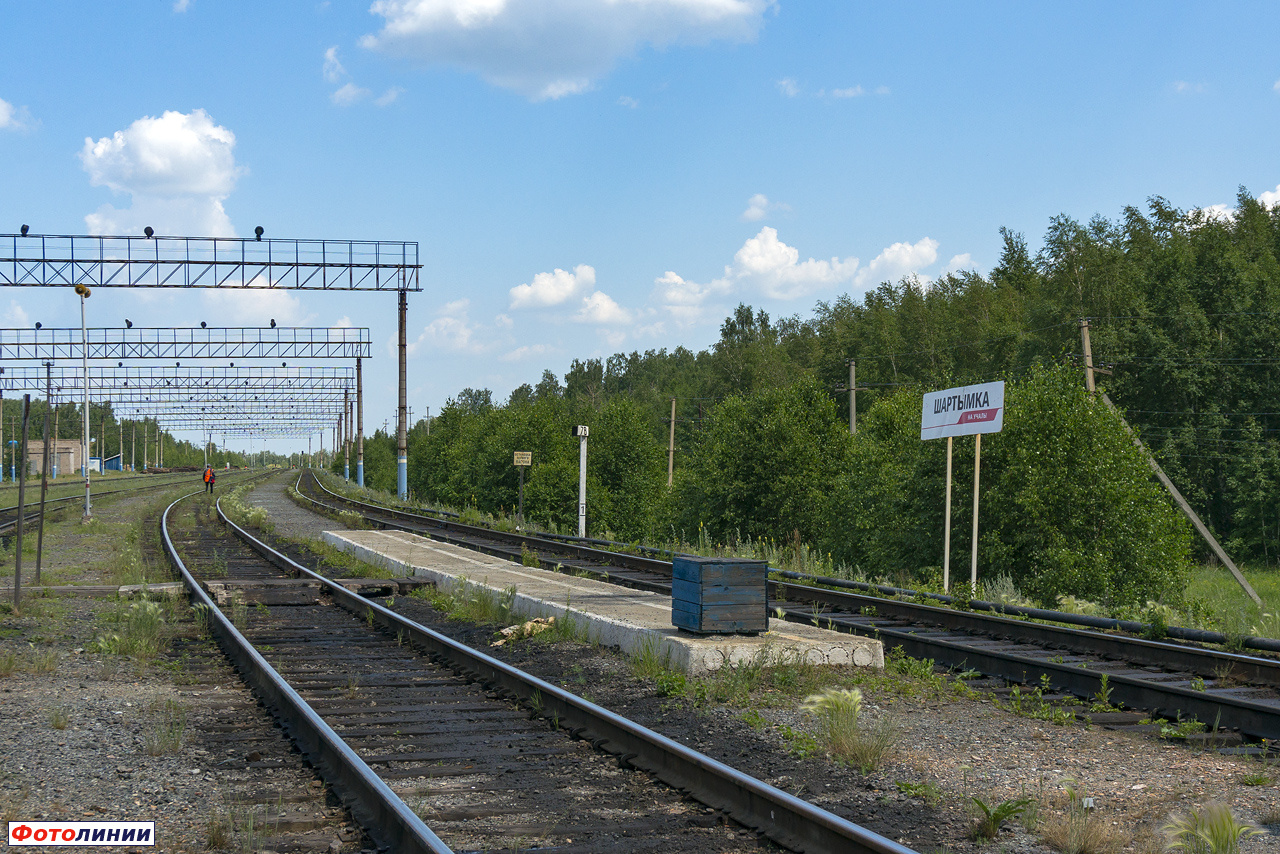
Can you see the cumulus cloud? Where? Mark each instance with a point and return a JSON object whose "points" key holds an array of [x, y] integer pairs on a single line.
{"points": [[958, 263], [599, 308], [178, 169], [333, 70], [553, 48], [776, 269], [349, 94], [757, 206], [1276, 88], [554, 288], [452, 330], [788, 86], [1271, 197], [248, 307], [528, 351], [181, 5], [389, 96], [898, 260], [15, 118], [16, 317]]}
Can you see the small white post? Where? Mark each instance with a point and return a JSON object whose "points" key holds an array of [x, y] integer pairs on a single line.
{"points": [[946, 530], [581, 432]]}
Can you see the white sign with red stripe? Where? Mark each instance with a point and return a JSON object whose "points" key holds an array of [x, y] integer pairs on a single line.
{"points": [[962, 411]]}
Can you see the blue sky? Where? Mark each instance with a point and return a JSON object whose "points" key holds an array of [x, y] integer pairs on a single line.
{"points": [[589, 176]]}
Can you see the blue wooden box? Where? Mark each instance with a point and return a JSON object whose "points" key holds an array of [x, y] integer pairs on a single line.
{"points": [[716, 595]]}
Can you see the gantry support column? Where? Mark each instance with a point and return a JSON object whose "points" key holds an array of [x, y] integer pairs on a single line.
{"points": [[359, 426], [402, 429], [344, 429]]}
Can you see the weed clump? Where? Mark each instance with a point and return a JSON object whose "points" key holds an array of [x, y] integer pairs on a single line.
{"points": [[838, 711], [1212, 829]]}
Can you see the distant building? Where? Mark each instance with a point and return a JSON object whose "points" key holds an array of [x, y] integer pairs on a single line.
{"points": [[64, 457]]}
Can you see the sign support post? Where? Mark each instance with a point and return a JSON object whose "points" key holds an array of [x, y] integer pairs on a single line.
{"points": [[965, 411], [977, 465], [523, 459], [946, 530]]}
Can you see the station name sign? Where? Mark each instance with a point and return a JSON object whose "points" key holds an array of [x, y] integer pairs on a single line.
{"points": [[962, 411]]}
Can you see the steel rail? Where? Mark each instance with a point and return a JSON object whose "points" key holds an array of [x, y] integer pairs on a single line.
{"points": [[1255, 719], [1104, 623], [1252, 718], [458, 533], [784, 818], [387, 819]]}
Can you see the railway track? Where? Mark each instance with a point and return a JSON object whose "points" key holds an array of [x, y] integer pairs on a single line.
{"points": [[9, 515], [437, 747], [1230, 692]]}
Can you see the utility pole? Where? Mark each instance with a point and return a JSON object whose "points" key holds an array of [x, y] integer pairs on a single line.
{"points": [[671, 445], [1088, 355], [853, 400], [44, 466]]}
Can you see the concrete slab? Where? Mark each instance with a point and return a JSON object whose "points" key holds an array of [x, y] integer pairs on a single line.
{"points": [[635, 621]]}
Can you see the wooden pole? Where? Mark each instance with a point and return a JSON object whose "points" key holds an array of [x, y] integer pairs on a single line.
{"points": [[1088, 355], [977, 464], [1185, 507], [671, 445], [946, 529], [853, 401]]}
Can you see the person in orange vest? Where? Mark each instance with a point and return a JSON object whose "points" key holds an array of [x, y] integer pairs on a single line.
{"points": [[209, 478]]}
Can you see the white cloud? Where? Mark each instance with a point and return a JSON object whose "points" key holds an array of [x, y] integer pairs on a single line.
{"points": [[1220, 212], [452, 330], [1271, 197], [958, 263], [389, 96], [552, 48], [528, 351], [757, 206], [776, 269], [178, 169], [898, 260], [788, 86], [349, 94], [503, 321], [1182, 87], [252, 307], [554, 288], [16, 317], [333, 70], [628, 101], [343, 323], [15, 118], [180, 6], [851, 92], [600, 308]]}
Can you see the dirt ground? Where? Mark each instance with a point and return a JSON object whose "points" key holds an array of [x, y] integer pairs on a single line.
{"points": [[84, 734]]}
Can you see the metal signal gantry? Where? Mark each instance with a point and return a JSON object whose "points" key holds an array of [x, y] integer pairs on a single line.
{"points": [[207, 262], [252, 342]]}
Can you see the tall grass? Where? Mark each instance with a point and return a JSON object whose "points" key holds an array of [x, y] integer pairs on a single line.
{"points": [[847, 737]]}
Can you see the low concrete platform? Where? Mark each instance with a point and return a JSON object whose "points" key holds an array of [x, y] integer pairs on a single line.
{"points": [[635, 621]]}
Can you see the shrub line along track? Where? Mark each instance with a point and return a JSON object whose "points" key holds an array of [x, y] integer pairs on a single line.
{"points": [[422, 696], [1227, 690]]}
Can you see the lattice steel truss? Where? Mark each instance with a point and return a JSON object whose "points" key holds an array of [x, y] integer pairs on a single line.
{"points": [[251, 342], [173, 383], [43, 260]]}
